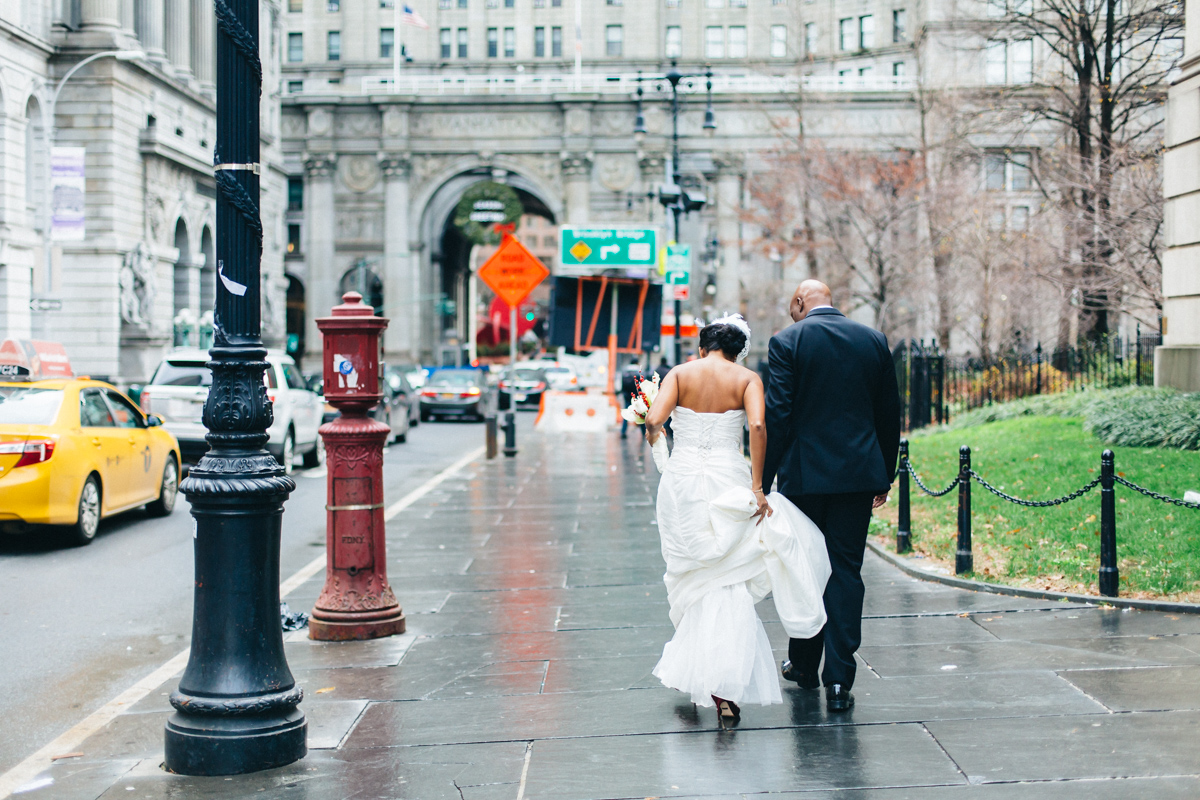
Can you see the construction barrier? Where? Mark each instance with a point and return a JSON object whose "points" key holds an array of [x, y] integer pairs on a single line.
{"points": [[561, 412]]}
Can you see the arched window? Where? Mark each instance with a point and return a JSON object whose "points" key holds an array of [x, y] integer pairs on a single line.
{"points": [[35, 164]]}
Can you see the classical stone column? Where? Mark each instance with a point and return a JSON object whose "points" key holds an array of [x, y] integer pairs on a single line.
{"points": [[128, 20], [204, 52], [729, 190], [1177, 362], [149, 26], [321, 292], [577, 184], [402, 336], [179, 44], [100, 13]]}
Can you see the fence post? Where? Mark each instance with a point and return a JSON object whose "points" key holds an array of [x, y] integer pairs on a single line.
{"points": [[963, 561], [1039, 367], [490, 434], [1137, 349], [904, 529], [1110, 576]]}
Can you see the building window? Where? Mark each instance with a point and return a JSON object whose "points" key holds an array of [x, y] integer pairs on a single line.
{"points": [[293, 244], [1019, 220], [508, 3], [510, 43], [295, 194], [1020, 178], [539, 3], [898, 69], [295, 6], [899, 25], [462, 42], [866, 72], [810, 37], [993, 172], [614, 40], [462, 3], [387, 41], [295, 87], [672, 3], [737, 3], [492, 4], [737, 41], [866, 32], [714, 42], [444, 4], [539, 42], [674, 44], [493, 42], [714, 3], [333, 6], [1021, 52], [295, 47], [846, 37], [556, 42], [778, 41], [614, 2], [996, 69], [333, 46], [446, 40], [556, 3]]}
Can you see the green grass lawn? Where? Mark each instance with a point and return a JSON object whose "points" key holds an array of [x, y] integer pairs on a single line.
{"points": [[1040, 458]]}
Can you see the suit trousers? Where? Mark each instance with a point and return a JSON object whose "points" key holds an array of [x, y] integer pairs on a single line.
{"points": [[843, 519]]}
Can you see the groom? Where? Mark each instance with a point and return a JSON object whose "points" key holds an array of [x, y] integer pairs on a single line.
{"points": [[833, 436]]}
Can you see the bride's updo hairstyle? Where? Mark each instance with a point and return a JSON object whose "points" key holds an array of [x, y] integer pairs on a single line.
{"points": [[729, 339]]}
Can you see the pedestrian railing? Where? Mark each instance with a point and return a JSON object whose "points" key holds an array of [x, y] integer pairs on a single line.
{"points": [[1109, 575]]}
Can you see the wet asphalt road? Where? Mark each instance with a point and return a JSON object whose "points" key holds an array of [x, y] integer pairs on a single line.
{"points": [[79, 625]]}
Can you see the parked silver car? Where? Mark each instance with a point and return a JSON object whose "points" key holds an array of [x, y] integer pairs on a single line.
{"points": [[180, 386]]}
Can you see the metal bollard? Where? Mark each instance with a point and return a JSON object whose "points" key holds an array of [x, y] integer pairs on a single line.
{"points": [[963, 561], [510, 434], [1110, 576], [490, 431], [904, 529]]}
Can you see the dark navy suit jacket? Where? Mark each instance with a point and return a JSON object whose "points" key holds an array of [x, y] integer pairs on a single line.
{"points": [[833, 408]]}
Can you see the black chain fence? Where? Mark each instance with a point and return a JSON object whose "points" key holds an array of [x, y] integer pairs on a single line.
{"points": [[1109, 576]]}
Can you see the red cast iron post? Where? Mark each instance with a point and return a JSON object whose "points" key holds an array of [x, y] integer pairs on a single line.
{"points": [[357, 602]]}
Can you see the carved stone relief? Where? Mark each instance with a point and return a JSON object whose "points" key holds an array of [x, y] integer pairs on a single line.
{"points": [[320, 166], [502, 125], [395, 122], [357, 125], [578, 121], [137, 286], [360, 225], [576, 166], [293, 125], [359, 173], [617, 171], [319, 122]]}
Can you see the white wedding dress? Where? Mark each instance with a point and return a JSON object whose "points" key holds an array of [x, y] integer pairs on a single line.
{"points": [[719, 564]]}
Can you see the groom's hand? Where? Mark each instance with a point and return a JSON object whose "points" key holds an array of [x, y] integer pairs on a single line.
{"points": [[879, 500]]}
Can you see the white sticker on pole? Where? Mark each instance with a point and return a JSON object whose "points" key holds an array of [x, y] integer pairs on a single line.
{"points": [[346, 372]]}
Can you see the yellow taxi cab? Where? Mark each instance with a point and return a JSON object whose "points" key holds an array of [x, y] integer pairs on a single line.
{"points": [[73, 451]]}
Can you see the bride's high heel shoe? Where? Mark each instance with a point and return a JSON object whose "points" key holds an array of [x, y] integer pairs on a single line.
{"points": [[727, 709]]}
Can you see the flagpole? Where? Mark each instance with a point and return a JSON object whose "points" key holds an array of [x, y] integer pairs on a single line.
{"points": [[396, 45]]}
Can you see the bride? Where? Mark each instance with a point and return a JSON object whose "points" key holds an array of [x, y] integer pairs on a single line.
{"points": [[727, 545]]}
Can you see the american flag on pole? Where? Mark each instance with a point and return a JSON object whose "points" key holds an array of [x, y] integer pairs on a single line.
{"points": [[410, 17]]}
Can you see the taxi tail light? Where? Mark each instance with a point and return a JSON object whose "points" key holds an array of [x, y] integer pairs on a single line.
{"points": [[35, 452], [574, 380]]}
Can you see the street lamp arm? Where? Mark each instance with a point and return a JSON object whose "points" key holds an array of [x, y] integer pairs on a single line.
{"points": [[120, 55]]}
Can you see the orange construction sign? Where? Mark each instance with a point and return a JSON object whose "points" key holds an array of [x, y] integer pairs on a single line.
{"points": [[513, 272]]}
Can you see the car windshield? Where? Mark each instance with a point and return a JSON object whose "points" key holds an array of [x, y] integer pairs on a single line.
{"points": [[21, 405], [182, 373], [557, 371], [527, 375], [456, 377]]}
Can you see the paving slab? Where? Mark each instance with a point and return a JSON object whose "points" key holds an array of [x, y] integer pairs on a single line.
{"points": [[536, 612]]}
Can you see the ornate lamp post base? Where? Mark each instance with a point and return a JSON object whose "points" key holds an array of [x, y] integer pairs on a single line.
{"points": [[198, 745]]}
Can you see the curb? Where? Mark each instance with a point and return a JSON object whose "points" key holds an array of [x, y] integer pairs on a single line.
{"points": [[906, 566]]}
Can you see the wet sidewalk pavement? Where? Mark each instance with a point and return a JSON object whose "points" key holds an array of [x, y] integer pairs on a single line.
{"points": [[536, 611]]}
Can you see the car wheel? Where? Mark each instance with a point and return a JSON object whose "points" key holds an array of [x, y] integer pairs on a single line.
{"points": [[88, 522], [425, 416], [167, 492], [316, 456], [288, 454]]}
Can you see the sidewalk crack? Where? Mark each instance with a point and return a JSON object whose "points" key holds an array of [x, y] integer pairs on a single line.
{"points": [[946, 752]]}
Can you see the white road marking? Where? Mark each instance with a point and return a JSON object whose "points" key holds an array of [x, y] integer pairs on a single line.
{"points": [[29, 769], [525, 772]]}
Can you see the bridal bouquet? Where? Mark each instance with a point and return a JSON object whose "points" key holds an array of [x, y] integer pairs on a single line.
{"points": [[639, 405]]}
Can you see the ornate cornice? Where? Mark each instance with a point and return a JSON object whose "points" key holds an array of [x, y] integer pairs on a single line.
{"points": [[575, 165], [395, 165], [320, 166]]}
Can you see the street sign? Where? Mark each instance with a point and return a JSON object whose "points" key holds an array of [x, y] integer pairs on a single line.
{"points": [[584, 250], [513, 272], [45, 304], [680, 292], [679, 264]]}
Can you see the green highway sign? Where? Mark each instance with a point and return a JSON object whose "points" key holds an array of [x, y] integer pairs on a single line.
{"points": [[584, 250], [678, 265]]}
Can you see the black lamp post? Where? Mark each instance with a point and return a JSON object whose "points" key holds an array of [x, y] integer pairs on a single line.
{"points": [[236, 706], [675, 198]]}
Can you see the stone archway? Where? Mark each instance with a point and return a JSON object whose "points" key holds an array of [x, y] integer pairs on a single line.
{"points": [[443, 262], [186, 292]]}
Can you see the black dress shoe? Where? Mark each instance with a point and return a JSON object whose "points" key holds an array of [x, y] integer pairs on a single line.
{"points": [[802, 680], [838, 698]]}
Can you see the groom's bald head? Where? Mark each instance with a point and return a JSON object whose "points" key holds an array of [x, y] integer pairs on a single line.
{"points": [[809, 295]]}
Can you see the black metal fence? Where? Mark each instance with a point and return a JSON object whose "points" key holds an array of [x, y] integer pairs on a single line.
{"points": [[934, 387], [1109, 576]]}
